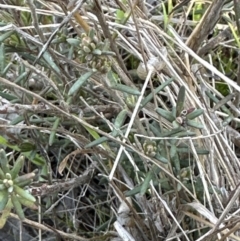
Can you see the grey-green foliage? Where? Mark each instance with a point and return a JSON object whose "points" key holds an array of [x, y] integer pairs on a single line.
{"points": [[12, 192]]}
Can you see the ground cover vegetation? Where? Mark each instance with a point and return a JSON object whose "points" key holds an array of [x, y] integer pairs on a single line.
{"points": [[119, 120]]}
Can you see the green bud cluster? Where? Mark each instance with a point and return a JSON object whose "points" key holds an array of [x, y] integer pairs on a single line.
{"points": [[91, 50], [12, 193], [131, 101], [150, 148]]}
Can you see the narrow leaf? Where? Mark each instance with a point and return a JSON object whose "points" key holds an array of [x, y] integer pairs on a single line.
{"points": [[180, 100], [176, 163], [24, 193], [5, 213], [119, 121], [50, 62], [146, 182], [2, 58], [27, 203], [165, 114], [216, 100], [227, 120], [76, 86], [126, 89], [170, 133], [194, 114], [17, 206], [96, 136], [4, 161], [73, 41], [96, 142], [53, 132], [137, 189], [195, 124], [4, 36], [158, 89], [3, 199], [161, 158], [17, 167]]}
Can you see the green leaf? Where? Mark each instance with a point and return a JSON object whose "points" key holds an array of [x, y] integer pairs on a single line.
{"points": [[194, 124], [3, 199], [50, 62], [24, 180], [4, 161], [224, 101], [96, 136], [5, 213], [161, 158], [97, 142], [194, 114], [216, 100], [2, 176], [17, 167], [146, 182], [53, 131], [17, 206], [73, 41], [27, 147], [176, 163], [27, 203], [119, 16], [155, 129], [35, 158], [97, 52], [165, 114], [227, 120], [137, 189], [158, 89], [4, 36], [21, 77], [199, 151], [24, 193], [165, 15], [170, 133], [113, 78], [180, 100], [77, 85], [117, 124], [237, 15], [119, 121], [174, 112], [8, 96], [126, 89], [2, 58]]}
